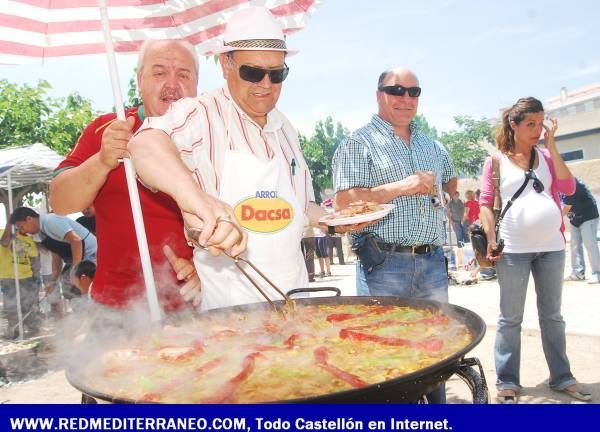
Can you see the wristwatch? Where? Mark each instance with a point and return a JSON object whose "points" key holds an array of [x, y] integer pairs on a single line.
{"points": [[331, 230]]}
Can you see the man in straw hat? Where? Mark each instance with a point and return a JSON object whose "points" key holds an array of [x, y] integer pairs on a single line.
{"points": [[238, 147]]}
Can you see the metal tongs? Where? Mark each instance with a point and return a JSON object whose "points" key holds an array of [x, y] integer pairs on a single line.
{"points": [[288, 305]]}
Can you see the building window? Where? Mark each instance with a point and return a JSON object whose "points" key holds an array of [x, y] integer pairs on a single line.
{"points": [[572, 155]]}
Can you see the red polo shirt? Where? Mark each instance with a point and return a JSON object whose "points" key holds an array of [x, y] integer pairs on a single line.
{"points": [[118, 279]]}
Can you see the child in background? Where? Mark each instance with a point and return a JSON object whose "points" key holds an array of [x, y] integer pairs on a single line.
{"points": [[82, 276], [473, 265], [471, 209]]}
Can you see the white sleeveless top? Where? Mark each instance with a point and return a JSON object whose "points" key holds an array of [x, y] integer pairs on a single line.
{"points": [[533, 222]]}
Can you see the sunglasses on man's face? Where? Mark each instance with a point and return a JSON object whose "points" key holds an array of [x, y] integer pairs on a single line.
{"points": [[398, 90], [538, 186], [255, 75]]}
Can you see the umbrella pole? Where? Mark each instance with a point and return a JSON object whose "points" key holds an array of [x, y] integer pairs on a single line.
{"points": [[15, 260], [134, 197]]}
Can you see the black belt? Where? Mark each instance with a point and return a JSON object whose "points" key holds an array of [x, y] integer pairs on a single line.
{"points": [[420, 249]]}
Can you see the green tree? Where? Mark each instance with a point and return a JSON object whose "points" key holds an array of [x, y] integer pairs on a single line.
{"points": [[424, 127], [69, 117], [22, 113], [28, 115], [465, 145], [133, 94], [318, 152]]}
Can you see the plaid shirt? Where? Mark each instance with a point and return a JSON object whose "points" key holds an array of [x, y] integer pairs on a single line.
{"points": [[373, 156]]}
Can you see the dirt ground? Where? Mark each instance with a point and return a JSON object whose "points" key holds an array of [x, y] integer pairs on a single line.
{"points": [[584, 355]]}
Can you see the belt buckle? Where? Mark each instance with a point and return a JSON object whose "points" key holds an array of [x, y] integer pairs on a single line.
{"points": [[425, 249]]}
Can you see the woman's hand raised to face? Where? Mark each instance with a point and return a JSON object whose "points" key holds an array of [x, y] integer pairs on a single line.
{"points": [[550, 128]]}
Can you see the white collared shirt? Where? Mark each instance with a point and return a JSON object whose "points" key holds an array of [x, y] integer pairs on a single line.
{"points": [[203, 128]]}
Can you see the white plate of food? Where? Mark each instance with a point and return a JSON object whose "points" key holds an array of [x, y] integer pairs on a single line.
{"points": [[357, 212]]}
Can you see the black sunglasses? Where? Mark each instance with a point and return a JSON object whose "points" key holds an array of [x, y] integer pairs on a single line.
{"points": [[255, 75], [538, 186], [398, 90]]}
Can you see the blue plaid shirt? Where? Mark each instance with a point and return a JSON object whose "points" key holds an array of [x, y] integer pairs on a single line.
{"points": [[373, 156]]}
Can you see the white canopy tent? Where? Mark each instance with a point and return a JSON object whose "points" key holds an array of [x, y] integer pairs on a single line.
{"points": [[19, 167], [27, 165]]}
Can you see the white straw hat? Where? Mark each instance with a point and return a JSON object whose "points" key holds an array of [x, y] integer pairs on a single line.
{"points": [[252, 29]]}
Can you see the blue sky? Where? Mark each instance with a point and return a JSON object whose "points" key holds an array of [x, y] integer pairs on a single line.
{"points": [[472, 58]]}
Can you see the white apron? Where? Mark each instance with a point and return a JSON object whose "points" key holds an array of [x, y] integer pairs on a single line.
{"points": [[267, 208]]}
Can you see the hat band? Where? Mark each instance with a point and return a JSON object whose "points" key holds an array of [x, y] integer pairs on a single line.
{"points": [[276, 44]]}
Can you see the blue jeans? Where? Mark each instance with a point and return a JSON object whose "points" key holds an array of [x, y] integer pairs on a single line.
{"points": [[362, 289], [585, 235], [459, 230], [409, 275], [513, 275]]}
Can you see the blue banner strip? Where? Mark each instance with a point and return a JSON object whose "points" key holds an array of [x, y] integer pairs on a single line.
{"points": [[301, 418]]}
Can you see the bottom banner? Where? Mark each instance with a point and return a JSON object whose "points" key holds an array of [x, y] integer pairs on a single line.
{"points": [[282, 418]]}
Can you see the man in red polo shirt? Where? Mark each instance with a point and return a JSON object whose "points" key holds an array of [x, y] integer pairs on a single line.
{"points": [[167, 71]]}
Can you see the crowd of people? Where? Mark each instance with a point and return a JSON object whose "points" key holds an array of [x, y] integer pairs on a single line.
{"points": [[189, 151]]}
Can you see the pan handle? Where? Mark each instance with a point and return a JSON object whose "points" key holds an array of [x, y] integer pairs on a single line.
{"points": [[87, 400], [337, 291], [475, 380]]}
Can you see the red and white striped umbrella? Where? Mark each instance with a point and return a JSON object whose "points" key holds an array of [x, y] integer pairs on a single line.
{"points": [[33, 30]]}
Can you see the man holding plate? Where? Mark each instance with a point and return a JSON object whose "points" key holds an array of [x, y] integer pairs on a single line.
{"points": [[390, 161]]}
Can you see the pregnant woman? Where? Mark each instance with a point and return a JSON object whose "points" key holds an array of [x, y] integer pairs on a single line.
{"points": [[532, 230]]}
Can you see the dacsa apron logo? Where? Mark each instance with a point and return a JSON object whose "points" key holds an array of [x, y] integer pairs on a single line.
{"points": [[264, 213]]}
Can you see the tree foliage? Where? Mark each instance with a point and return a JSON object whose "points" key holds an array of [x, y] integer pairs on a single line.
{"points": [[424, 127], [465, 145], [133, 94], [28, 115], [69, 117], [318, 152], [22, 112]]}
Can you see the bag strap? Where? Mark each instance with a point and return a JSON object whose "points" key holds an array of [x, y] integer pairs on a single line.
{"points": [[497, 208], [517, 193]]}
